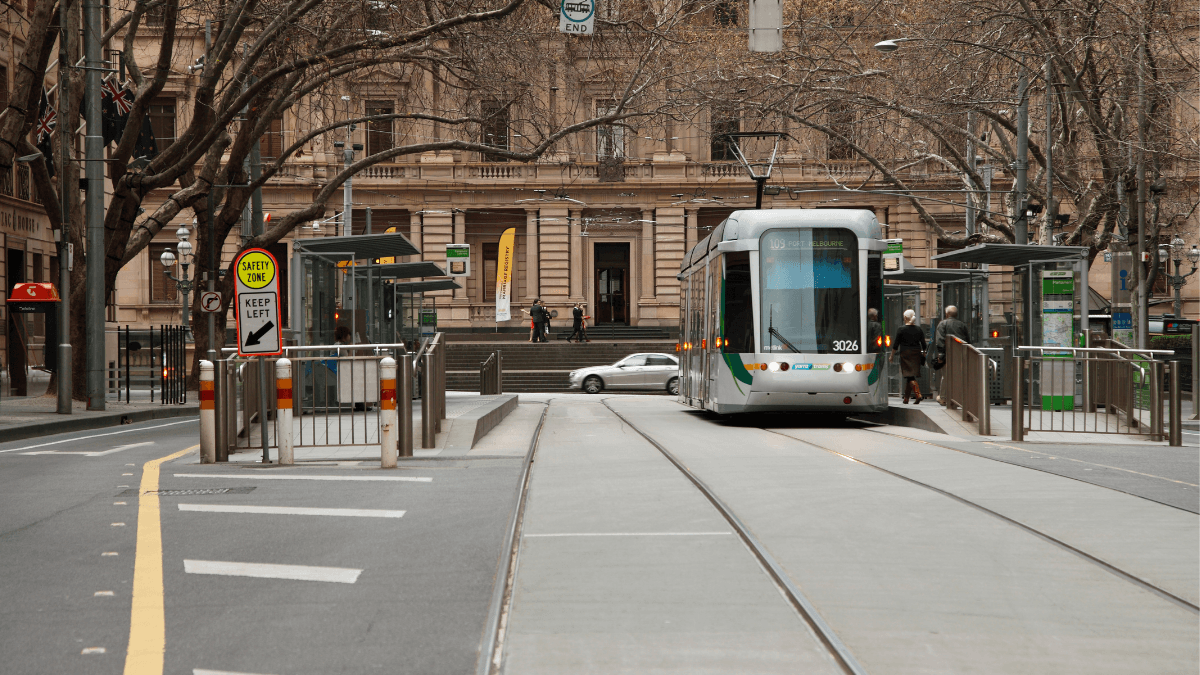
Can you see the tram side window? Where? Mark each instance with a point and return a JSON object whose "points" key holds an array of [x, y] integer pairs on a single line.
{"points": [[875, 321], [739, 305]]}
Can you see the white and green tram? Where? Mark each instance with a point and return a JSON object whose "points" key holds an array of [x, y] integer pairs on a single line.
{"points": [[774, 314]]}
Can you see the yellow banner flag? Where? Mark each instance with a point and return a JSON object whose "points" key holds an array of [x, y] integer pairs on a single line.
{"points": [[506, 261]]}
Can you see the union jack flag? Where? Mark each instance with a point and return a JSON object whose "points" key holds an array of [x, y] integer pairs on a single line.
{"points": [[47, 119], [119, 95]]}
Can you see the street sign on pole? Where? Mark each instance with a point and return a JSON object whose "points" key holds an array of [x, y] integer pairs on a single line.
{"points": [[210, 302], [458, 260], [256, 293], [577, 17]]}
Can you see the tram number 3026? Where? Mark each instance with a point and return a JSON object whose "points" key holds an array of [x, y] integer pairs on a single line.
{"points": [[845, 345]]}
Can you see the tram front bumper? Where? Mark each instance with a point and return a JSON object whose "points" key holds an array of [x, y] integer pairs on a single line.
{"points": [[827, 401]]}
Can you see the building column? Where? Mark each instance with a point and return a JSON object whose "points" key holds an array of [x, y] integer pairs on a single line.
{"points": [[647, 253], [554, 257], [437, 230], [669, 251], [460, 237], [881, 214], [691, 224], [532, 255], [578, 244], [414, 232]]}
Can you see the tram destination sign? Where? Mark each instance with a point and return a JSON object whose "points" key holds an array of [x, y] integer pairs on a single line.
{"points": [[256, 290]]}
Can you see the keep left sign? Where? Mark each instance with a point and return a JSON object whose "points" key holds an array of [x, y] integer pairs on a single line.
{"points": [[256, 296]]}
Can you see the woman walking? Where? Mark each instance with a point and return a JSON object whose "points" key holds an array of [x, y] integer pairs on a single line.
{"points": [[910, 343]]}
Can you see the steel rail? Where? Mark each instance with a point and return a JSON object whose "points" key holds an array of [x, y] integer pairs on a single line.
{"points": [[1084, 555], [491, 648], [808, 613]]}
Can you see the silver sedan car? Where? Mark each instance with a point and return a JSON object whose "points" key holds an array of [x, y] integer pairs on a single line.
{"points": [[636, 371]]}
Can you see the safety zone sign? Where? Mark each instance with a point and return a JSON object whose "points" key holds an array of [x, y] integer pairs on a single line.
{"points": [[256, 294]]}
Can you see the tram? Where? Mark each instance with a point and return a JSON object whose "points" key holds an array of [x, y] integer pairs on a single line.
{"points": [[774, 314]]}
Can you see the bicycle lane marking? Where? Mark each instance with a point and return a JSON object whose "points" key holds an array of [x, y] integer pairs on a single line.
{"points": [[147, 621]]}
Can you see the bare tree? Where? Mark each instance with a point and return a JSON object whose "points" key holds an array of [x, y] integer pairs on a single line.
{"points": [[462, 62]]}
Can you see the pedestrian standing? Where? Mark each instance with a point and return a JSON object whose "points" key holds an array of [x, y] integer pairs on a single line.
{"points": [[949, 328], [538, 312], [576, 323], [910, 344]]}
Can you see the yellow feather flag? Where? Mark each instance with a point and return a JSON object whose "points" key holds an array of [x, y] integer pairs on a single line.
{"points": [[507, 260]]}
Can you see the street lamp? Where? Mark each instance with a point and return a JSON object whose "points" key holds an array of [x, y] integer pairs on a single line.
{"points": [[183, 283], [1177, 280]]}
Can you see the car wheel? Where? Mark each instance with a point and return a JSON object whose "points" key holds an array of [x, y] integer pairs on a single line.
{"points": [[673, 386], [592, 385]]}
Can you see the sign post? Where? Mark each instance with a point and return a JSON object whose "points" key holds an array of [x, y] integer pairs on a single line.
{"points": [[458, 260], [256, 296]]}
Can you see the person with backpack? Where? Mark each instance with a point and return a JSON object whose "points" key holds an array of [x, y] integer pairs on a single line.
{"points": [[950, 327]]}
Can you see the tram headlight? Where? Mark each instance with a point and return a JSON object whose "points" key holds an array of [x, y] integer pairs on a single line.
{"points": [[773, 366], [848, 367], [837, 367], [784, 366]]}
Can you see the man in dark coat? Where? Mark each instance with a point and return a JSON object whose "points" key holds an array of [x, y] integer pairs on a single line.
{"points": [[950, 327], [540, 317], [576, 323]]}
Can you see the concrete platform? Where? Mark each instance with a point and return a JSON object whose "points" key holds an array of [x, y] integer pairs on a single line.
{"points": [[622, 567]]}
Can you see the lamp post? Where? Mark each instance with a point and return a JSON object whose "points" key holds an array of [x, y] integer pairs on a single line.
{"points": [[183, 283], [1177, 280]]}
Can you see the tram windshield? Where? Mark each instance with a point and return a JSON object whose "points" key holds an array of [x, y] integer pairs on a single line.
{"points": [[809, 282]]}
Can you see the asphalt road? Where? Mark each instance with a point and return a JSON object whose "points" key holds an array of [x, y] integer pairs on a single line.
{"points": [[384, 576]]}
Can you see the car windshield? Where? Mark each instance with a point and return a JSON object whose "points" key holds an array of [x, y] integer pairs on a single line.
{"points": [[809, 291]]}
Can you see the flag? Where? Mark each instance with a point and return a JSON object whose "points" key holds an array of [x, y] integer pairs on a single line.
{"points": [[47, 120], [116, 100], [506, 260]]}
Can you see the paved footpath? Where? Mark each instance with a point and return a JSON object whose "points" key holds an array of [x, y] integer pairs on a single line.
{"points": [[920, 558]]}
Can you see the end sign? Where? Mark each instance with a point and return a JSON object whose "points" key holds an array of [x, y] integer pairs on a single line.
{"points": [[256, 291]]}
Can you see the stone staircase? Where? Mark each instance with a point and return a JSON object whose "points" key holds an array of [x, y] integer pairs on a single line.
{"points": [[537, 367]]}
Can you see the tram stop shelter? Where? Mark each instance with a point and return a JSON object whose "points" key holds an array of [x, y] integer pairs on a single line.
{"points": [[353, 281]]}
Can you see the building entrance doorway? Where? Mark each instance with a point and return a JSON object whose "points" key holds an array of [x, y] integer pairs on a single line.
{"points": [[612, 283]]}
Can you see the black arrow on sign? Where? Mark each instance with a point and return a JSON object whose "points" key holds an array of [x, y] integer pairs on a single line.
{"points": [[253, 337]]}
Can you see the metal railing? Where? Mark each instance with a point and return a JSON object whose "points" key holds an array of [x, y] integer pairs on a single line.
{"points": [[335, 396], [491, 374], [152, 362], [1097, 390], [966, 383]]}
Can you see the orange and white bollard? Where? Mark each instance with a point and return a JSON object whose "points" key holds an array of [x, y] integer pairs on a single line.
{"points": [[208, 415], [283, 411], [388, 431]]}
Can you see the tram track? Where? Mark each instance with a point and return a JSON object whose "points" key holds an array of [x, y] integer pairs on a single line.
{"points": [[1081, 554], [795, 597]]}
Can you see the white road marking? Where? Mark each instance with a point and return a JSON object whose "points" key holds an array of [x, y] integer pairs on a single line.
{"points": [[119, 504], [98, 594], [202, 671], [92, 650], [126, 474], [628, 534], [260, 476], [118, 524], [111, 433], [110, 553], [291, 510], [91, 453], [341, 575]]}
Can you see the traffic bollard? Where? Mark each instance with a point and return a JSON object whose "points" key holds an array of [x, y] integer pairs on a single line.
{"points": [[1175, 407], [404, 409], [208, 415], [283, 412], [387, 413], [428, 403]]}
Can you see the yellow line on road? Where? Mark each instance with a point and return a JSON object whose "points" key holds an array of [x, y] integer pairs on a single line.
{"points": [[147, 622]]}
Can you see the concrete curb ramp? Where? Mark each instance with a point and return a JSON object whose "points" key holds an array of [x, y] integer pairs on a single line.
{"points": [[86, 422], [466, 429]]}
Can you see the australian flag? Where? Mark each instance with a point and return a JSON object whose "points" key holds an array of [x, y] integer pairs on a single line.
{"points": [[43, 128], [116, 101]]}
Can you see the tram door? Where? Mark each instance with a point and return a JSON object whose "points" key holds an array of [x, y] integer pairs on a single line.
{"points": [[896, 299]]}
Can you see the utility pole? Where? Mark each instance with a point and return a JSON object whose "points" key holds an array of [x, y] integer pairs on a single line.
{"points": [[1022, 163], [971, 173], [1142, 312], [64, 230], [94, 154], [348, 187], [212, 230], [1049, 210]]}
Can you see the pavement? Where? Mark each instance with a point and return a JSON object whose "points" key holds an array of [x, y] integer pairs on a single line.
{"points": [[920, 552]]}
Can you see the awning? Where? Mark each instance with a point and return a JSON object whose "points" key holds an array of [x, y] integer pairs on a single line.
{"points": [[1013, 255], [425, 286], [361, 247], [408, 270], [929, 275]]}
